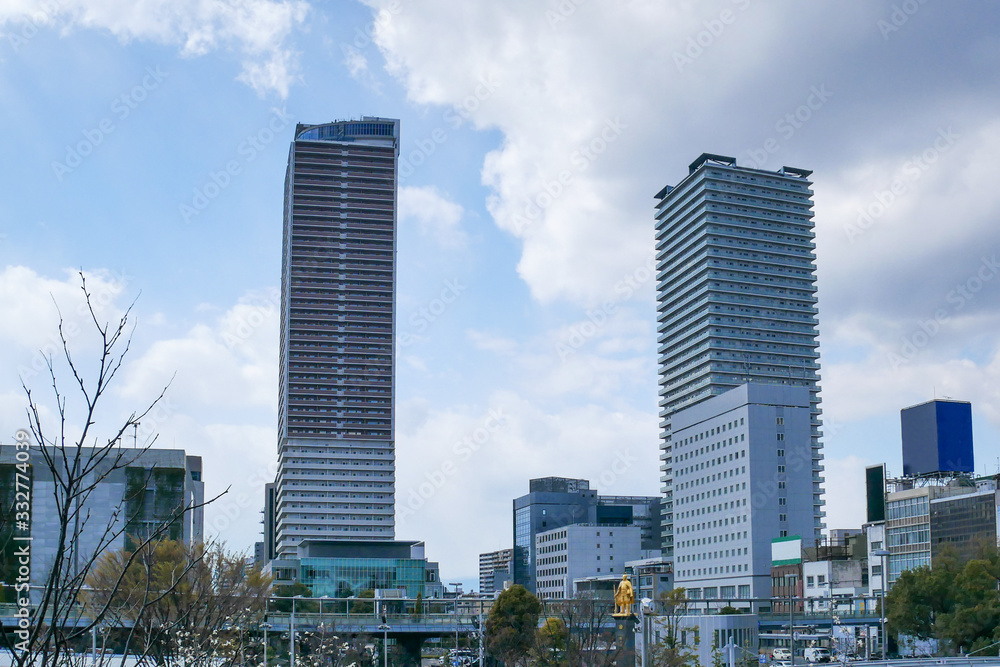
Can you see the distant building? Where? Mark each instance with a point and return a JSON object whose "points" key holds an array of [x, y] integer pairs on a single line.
{"points": [[937, 507], [342, 568], [937, 438], [736, 295], [836, 571], [742, 476], [554, 502], [650, 577], [259, 554], [579, 551], [956, 516], [140, 498], [495, 571]]}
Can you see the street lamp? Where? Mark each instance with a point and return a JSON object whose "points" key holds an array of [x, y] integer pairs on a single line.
{"points": [[458, 588], [266, 626], [291, 634], [644, 605], [385, 627], [884, 579]]}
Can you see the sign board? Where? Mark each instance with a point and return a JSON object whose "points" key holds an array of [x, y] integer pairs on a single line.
{"points": [[786, 550]]}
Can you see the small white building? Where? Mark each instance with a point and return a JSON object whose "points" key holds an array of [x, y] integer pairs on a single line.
{"points": [[579, 551], [827, 581], [704, 635]]}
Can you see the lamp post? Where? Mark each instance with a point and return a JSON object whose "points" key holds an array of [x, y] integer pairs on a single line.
{"points": [[882, 553], [791, 619], [385, 627], [643, 605], [291, 634], [265, 625], [458, 588]]}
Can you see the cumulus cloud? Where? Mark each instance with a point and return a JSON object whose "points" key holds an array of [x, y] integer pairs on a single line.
{"points": [[258, 30], [437, 217], [442, 453], [222, 401]]}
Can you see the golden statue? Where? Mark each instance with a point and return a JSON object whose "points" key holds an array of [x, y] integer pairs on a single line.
{"points": [[624, 598]]}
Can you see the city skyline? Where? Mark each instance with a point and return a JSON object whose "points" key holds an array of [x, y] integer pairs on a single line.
{"points": [[151, 154]]}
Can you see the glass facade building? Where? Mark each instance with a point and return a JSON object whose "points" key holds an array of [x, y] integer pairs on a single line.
{"points": [[736, 298], [336, 473], [343, 577], [555, 502]]}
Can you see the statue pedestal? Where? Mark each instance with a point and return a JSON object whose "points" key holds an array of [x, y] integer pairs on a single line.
{"points": [[625, 638]]}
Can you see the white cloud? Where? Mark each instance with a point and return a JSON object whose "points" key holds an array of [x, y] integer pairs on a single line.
{"points": [[845, 491], [221, 405], [436, 216], [443, 456], [490, 343], [257, 29], [230, 363]]}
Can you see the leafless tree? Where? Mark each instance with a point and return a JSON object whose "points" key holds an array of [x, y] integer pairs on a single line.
{"points": [[80, 455], [592, 637]]}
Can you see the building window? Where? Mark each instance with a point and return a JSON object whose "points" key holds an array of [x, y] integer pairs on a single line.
{"points": [[779, 421], [810, 580], [781, 436]]}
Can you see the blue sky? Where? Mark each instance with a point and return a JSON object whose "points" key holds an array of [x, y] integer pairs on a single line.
{"points": [[146, 145]]}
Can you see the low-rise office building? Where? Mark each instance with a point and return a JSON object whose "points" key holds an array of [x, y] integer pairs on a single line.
{"points": [[579, 551], [137, 493]]}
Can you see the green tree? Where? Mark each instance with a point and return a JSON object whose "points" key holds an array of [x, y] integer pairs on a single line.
{"points": [[295, 590], [551, 642], [956, 603], [919, 597], [364, 607], [975, 618], [511, 625]]}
